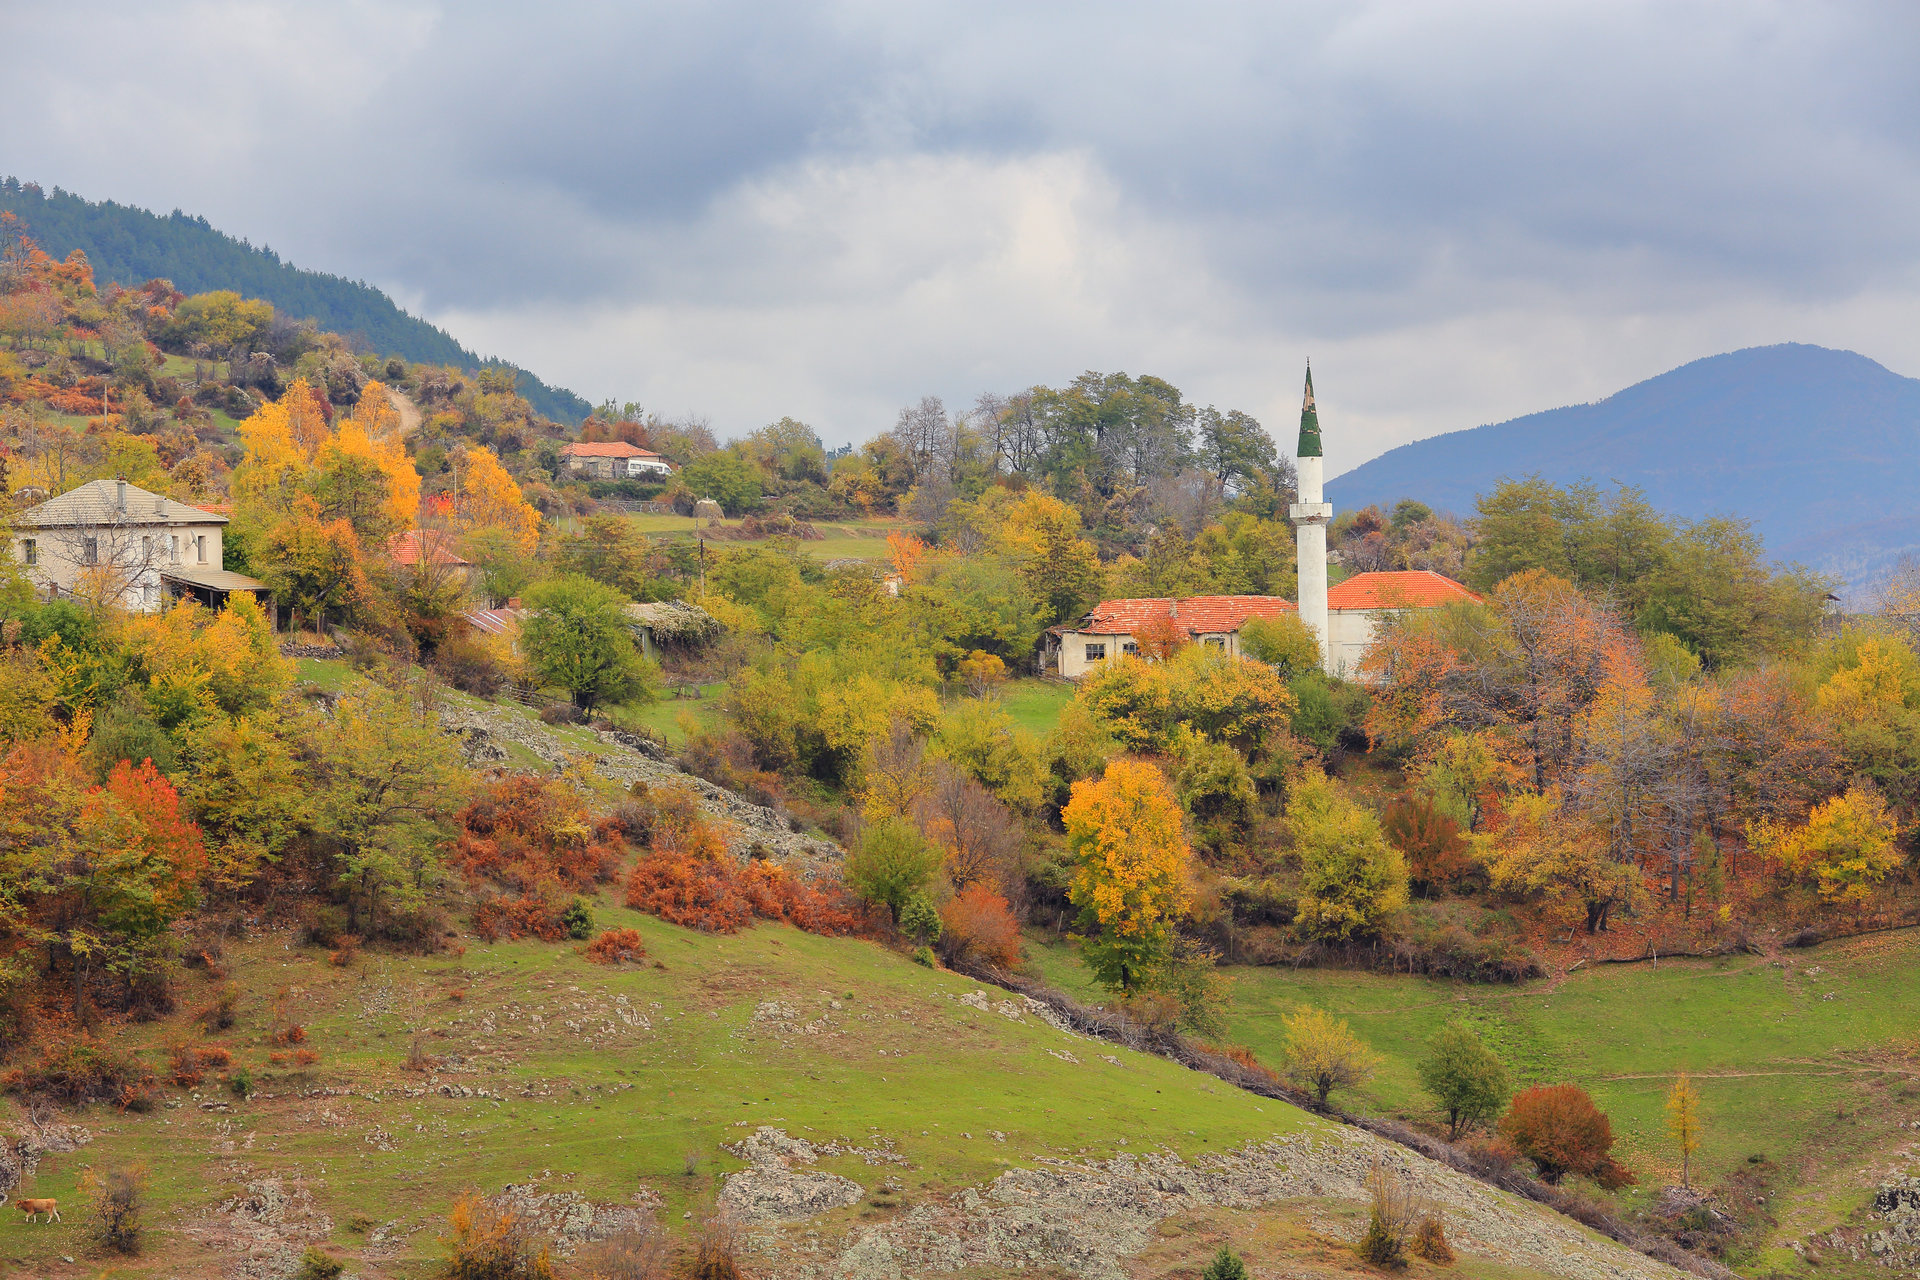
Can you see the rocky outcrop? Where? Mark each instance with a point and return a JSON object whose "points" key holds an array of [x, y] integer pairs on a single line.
{"points": [[1084, 1219], [751, 830], [776, 1187]]}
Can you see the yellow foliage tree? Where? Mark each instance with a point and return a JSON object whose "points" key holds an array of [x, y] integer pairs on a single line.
{"points": [[1846, 847], [1683, 1122], [1321, 1053], [351, 440], [1541, 850], [1131, 881], [489, 498]]}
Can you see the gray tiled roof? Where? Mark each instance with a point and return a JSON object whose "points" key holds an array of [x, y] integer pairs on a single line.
{"points": [[98, 502]]}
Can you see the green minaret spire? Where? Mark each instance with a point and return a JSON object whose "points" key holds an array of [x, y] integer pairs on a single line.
{"points": [[1309, 423]]}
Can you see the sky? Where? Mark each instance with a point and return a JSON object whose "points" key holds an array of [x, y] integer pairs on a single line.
{"points": [[1461, 212]]}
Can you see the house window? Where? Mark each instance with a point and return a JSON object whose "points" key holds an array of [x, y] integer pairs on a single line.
{"points": [[173, 547], [200, 549], [1096, 652], [1129, 646], [90, 551], [146, 548], [30, 551], [1215, 642]]}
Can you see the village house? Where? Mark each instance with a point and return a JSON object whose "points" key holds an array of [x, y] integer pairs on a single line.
{"points": [[615, 460], [1112, 628], [430, 550], [1357, 606], [115, 542], [1355, 610]]}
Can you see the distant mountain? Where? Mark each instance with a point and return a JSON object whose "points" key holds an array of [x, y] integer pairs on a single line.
{"points": [[1820, 449], [130, 246]]}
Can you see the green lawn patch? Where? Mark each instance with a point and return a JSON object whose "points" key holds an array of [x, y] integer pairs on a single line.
{"points": [[330, 674], [1035, 705]]}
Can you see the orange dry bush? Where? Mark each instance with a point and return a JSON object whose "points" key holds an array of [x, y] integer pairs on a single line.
{"points": [[291, 1033], [615, 945], [715, 895], [1435, 849], [978, 925], [494, 1242], [190, 1065], [536, 840]]}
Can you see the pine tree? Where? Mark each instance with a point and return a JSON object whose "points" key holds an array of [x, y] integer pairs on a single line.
{"points": [[1226, 1265]]}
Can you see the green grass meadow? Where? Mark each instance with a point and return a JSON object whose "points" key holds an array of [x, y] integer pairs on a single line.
{"points": [[606, 1081], [1810, 1062]]}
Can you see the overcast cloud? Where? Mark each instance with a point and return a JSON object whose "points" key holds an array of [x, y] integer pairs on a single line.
{"points": [[1462, 211]]}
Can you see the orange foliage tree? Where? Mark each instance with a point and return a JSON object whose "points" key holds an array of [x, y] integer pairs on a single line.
{"points": [[530, 844], [1131, 878]]}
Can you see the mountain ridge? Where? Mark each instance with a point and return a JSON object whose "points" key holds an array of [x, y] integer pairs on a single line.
{"points": [[1810, 444], [128, 245]]}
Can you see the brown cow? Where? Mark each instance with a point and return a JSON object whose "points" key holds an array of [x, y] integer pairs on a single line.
{"points": [[48, 1206]]}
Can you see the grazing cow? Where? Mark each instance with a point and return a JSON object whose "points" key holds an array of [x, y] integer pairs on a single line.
{"points": [[48, 1206]]}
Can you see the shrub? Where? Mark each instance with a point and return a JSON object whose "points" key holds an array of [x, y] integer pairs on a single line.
{"points": [[1465, 1078], [1392, 1212], [1321, 1053], [1351, 880], [316, 1264], [321, 926], [920, 919], [1430, 1241], [1561, 1131], [466, 664], [1226, 1265], [223, 1012], [493, 1242], [562, 713], [924, 955], [715, 1257], [717, 895], [189, 1065], [578, 920], [343, 954], [632, 1255], [616, 945], [77, 1069], [290, 1033], [137, 1098], [113, 1207], [977, 925], [240, 1083]]}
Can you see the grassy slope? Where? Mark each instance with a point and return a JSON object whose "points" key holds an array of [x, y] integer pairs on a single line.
{"points": [[607, 1107], [1035, 705], [1809, 1062]]}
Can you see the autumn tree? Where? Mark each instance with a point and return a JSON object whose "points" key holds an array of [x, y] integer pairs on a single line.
{"points": [[488, 498], [1683, 1123], [1562, 1132], [1199, 690], [1429, 839], [1846, 847], [1538, 851], [1131, 873], [1352, 880], [1321, 1053], [892, 865]]}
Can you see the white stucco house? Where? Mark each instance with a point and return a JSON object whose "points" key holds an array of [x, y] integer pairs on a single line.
{"points": [[1110, 629], [1355, 609], [614, 460], [127, 546], [1357, 606]]}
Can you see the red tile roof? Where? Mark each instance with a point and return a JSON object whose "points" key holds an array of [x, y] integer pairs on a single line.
{"points": [[1200, 615], [405, 548], [606, 449], [1405, 589]]}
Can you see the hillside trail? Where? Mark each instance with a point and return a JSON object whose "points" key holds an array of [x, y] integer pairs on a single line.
{"points": [[409, 411]]}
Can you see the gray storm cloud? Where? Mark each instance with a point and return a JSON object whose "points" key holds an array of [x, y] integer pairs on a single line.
{"points": [[748, 209]]}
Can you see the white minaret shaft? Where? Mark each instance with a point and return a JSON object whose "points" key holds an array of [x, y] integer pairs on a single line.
{"points": [[1310, 516]]}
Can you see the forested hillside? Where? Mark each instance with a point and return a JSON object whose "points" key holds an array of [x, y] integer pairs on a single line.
{"points": [[129, 246], [1816, 448]]}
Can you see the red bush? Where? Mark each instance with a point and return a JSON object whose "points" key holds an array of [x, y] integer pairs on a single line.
{"points": [[977, 924], [1435, 847], [189, 1065], [615, 945], [525, 833], [1561, 1131], [715, 895]]}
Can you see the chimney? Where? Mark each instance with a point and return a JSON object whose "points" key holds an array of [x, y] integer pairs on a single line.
{"points": [[1173, 609], [120, 493]]}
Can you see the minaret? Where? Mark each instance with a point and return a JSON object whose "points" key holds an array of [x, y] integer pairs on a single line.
{"points": [[1310, 516]]}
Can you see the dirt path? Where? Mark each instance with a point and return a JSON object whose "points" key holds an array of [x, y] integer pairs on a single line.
{"points": [[409, 412]]}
